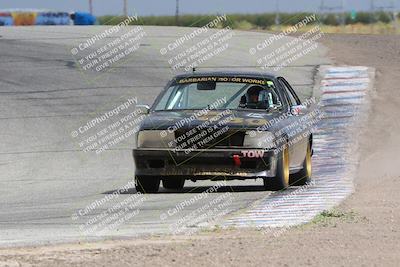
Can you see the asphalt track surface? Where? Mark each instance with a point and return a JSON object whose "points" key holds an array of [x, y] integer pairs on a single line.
{"points": [[46, 178]]}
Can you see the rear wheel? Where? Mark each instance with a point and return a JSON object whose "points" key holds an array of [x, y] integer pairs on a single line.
{"points": [[175, 183], [303, 177], [147, 184], [281, 179]]}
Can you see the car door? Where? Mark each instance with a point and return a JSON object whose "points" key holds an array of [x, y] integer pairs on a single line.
{"points": [[298, 147]]}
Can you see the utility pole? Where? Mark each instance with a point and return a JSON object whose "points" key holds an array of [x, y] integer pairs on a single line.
{"points": [[126, 8], [343, 13], [321, 10], [372, 16], [277, 16], [177, 13], [395, 13], [91, 7]]}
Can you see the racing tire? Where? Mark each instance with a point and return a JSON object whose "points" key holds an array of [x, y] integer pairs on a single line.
{"points": [[281, 179], [303, 177], [147, 184], [175, 183]]}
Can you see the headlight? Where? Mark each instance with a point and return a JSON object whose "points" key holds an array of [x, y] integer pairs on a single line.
{"points": [[155, 139], [255, 139]]}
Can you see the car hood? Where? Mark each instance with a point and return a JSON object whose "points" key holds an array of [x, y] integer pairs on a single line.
{"points": [[162, 120]]}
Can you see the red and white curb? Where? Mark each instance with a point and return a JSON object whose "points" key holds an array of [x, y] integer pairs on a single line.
{"points": [[344, 100]]}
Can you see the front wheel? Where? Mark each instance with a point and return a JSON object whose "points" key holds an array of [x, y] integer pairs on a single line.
{"points": [[147, 184], [303, 177], [281, 179]]}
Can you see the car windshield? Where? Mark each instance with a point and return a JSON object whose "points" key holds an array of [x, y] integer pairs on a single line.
{"points": [[219, 95]]}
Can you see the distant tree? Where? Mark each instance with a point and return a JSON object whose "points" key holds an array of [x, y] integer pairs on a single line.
{"points": [[365, 18], [383, 17], [331, 19]]}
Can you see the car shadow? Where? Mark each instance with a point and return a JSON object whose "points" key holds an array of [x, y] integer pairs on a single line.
{"points": [[196, 190]]}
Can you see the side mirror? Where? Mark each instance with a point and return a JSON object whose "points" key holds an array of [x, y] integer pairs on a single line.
{"points": [[298, 110], [145, 109]]}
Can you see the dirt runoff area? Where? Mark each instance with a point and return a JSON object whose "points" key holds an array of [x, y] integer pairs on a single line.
{"points": [[363, 231]]}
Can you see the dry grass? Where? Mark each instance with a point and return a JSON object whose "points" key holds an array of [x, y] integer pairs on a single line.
{"points": [[377, 28]]}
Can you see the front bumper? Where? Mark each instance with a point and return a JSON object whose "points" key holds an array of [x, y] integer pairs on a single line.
{"points": [[206, 164]]}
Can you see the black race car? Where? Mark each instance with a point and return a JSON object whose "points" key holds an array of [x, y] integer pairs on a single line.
{"points": [[223, 126]]}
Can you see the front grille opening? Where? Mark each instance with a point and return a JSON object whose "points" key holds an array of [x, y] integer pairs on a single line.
{"points": [[156, 164], [249, 165], [237, 138]]}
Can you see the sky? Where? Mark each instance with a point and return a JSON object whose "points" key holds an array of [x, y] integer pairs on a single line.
{"points": [[167, 7]]}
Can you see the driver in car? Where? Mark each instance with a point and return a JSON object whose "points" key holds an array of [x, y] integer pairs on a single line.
{"points": [[256, 97]]}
